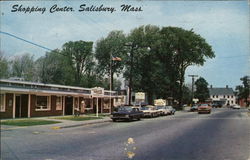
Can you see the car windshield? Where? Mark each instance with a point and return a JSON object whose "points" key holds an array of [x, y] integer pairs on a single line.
{"points": [[169, 107], [203, 105], [125, 109], [160, 107]]}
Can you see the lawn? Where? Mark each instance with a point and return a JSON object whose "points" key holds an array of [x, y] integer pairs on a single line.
{"points": [[78, 118], [27, 122]]}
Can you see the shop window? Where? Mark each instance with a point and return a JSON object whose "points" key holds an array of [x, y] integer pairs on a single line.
{"points": [[42, 103], [2, 102], [59, 103], [106, 104]]}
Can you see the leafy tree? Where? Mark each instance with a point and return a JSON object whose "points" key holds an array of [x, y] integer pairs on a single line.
{"points": [[244, 90], [54, 68], [23, 66], [186, 48], [202, 92], [4, 66], [80, 57], [108, 48], [140, 60]]}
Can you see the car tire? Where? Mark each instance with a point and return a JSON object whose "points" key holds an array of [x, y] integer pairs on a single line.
{"points": [[114, 120]]}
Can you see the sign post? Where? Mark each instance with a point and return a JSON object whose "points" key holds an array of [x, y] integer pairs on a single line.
{"points": [[140, 97]]}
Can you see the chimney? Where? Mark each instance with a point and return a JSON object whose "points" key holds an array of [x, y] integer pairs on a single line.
{"points": [[226, 86], [211, 86]]}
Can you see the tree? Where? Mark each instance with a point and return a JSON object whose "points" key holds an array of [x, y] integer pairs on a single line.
{"points": [[108, 48], [54, 68], [202, 92], [186, 48], [140, 60], [244, 90], [4, 66], [80, 57], [23, 66]]}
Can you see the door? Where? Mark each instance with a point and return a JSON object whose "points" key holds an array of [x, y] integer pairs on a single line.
{"points": [[68, 105], [18, 107]]}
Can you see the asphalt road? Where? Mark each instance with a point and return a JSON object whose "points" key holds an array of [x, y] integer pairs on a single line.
{"points": [[222, 135]]}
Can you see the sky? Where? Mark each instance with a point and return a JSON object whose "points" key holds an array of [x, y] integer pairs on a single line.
{"points": [[224, 25]]}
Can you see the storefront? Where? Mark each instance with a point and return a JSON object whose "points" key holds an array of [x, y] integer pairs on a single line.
{"points": [[26, 99]]}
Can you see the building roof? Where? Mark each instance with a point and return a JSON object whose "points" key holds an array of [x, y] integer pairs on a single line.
{"points": [[221, 91]]}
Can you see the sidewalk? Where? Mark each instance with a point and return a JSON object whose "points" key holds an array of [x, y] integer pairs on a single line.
{"points": [[63, 124]]}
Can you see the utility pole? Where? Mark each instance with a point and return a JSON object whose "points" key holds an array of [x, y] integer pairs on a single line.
{"points": [[193, 76]]}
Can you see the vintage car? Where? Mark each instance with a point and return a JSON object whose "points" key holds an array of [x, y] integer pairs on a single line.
{"points": [[171, 110], [204, 108], [126, 113], [163, 110], [236, 106], [150, 111], [194, 108]]}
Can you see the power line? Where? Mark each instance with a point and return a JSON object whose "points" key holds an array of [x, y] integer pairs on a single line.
{"points": [[38, 45]]}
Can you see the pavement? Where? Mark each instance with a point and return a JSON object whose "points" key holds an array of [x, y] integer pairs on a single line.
{"points": [[67, 123], [221, 135]]}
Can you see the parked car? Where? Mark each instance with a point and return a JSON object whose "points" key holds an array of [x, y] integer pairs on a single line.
{"points": [[194, 108], [204, 108], [171, 110], [163, 110], [236, 106], [216, 105], [150, 111], [127, 113]]}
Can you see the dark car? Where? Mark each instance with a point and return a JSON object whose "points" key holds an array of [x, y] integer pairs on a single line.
{"points": [[216, 105], [127, 113]]}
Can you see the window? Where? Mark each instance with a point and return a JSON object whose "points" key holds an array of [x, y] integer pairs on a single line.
{"points": [[232, 96], [59, 103], [213, 96], [216, 96], [232, 102], [227, 96], [224, 96], [42, 103], [2, 102]]}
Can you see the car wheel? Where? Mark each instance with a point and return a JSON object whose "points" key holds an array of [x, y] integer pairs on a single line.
{"points": [[114, 120], [139, 118]]}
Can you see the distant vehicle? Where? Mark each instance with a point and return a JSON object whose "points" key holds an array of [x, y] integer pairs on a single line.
{"points": [[236, 106], [216, 105], [204, 108], [194, 108], [163, 110], [150, 111], [127, 113], [171, 110]]}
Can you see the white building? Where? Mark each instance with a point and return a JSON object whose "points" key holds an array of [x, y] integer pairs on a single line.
{"points": [[224, 96]]}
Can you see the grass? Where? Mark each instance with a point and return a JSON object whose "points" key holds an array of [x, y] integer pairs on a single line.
{"points": [[78, 118], [28, 122]]}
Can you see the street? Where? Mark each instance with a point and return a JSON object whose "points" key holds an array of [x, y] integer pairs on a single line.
{"points": [[222, 135]]}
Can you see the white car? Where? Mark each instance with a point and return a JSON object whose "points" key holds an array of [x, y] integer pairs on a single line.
{"points": [[150, 111], [164, 111], [236, 106]]}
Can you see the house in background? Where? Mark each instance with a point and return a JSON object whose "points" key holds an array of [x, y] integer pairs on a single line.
{"points": [[223, 96]]}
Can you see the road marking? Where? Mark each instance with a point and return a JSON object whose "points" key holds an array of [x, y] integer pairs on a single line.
{"points": [[56, 127]]}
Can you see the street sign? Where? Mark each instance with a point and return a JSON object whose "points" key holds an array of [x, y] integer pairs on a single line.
{"points": [[159, 102], [97, 91], [140, 96]]}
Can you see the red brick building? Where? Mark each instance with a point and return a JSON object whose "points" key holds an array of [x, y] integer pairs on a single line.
{"points": [[28, 99]]}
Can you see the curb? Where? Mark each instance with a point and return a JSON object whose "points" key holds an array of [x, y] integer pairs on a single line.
{"points": [[83, 124]]}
